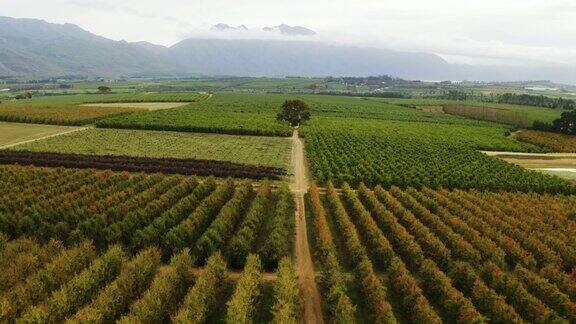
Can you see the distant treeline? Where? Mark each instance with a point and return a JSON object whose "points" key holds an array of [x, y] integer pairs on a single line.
{"points": [[539, 101], [387, 94]]}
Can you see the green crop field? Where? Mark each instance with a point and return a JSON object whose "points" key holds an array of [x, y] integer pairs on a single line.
{"points": [[419, 154], [254, 114], [266, 151], [223, 113], [146, 97], [12, 133], [68, 110], [519, 116]]}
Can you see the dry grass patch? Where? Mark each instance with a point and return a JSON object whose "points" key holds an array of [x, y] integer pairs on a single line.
{"points": [[556, 142], [151, 106], [13, 133]]}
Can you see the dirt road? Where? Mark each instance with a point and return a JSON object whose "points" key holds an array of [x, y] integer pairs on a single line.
{"points": [[545, 155], [304, 265]]}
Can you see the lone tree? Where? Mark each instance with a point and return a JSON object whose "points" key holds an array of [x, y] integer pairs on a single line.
{"points": [[295, 112], [24, 95], [566, 124], [104, 89]]}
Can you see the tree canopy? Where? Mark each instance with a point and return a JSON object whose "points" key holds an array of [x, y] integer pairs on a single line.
{"points": [[104, 89], [295, 112], [566, 124]]}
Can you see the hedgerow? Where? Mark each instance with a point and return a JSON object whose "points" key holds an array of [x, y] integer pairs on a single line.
{"points": [[165, 292], [341, 308], [244, 303], [280, 230], [115, 298], [202, 298], [287, 295], [40, 285], [80, 290], [244, 241], [222, 227]]}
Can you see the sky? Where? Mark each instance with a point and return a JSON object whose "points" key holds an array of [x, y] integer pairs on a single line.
{"points": [[480, 32]]}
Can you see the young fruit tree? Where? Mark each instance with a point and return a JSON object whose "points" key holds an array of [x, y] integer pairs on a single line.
{"points": [[295, 112]]}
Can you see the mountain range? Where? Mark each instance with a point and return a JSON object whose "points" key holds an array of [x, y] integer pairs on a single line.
{"points": [[35, 48]]}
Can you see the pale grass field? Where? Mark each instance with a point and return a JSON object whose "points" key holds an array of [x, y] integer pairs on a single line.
{"points": [[13, 133], [151, 106]]}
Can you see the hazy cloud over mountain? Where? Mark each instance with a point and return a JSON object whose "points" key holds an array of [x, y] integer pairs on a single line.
{"points": [[489, 32]]}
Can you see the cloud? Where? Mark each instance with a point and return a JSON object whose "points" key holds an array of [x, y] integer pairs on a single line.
{"points": [[510, 32]]}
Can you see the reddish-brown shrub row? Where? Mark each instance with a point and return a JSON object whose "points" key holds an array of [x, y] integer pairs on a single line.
{"points": [[431, 245], [529, 307], [472, 215], [440, 287], [487, 300], [375, 240], [403, 241], [459, 247], [547, 292], [406, 289], [541, 252], [370, 284], [487, 248], [340, 308], [562, 280], [141, 164]]}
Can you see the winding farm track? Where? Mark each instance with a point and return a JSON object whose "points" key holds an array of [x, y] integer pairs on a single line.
{"points": [[44, 137], [304, 265]]}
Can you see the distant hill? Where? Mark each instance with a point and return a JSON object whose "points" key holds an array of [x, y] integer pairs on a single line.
{"points": [[35, 48], [280, 58], [31, 47]]}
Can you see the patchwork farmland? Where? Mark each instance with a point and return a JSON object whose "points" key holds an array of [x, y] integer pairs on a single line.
{"points": [[212, 211]]}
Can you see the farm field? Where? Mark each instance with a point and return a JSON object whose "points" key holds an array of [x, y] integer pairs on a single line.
{"points": [[146, 97], [519, 116], [553, 141], [265, 151], [69, 110], [113, 285], [140, 210], [239, 114], [418, 155], [141, 105], [439, 256], [185, 214], [58, 115], [372, 108], [254, 114], [13, 133]]}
